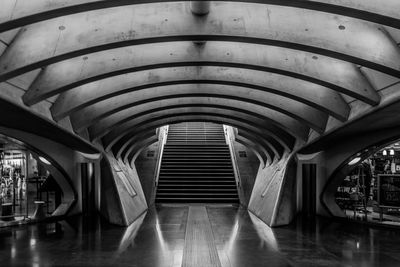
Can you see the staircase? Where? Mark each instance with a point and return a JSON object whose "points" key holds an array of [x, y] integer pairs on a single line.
{"points": [[196, 166]]}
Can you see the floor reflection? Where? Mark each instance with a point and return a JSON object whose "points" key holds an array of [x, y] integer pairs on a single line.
{"points": [[158, 239]]}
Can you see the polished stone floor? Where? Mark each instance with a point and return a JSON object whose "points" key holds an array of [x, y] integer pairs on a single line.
{"points": [[199, 236]]}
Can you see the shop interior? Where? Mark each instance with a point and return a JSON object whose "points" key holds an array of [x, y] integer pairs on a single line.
{"points": [[371, 190], [28, 191]]}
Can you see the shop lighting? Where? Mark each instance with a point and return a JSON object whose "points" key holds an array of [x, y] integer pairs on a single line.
{"points": [[384, 152], [354, 161], [45, 161], [391, 152]]}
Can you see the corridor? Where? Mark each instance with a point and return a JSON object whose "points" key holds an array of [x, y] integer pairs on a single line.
{"points": [[198, 235]]}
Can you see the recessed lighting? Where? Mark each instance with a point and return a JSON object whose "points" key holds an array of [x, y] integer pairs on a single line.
{"points": [[354, 161], [45, 161]]}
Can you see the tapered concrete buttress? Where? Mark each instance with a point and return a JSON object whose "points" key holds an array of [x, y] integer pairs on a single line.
{"points": [[122, 197]]}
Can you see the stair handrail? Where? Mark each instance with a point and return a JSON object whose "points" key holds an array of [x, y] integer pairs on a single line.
{"points": [[163, 134], [230, 138]]}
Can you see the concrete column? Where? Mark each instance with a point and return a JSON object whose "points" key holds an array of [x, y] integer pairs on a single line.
{"points": [[200, 8]]}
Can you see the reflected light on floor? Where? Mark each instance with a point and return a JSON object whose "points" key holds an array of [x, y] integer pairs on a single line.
{"points": [[265, 232], [163, 245], [233, 235], [130, 234], [33, 242], [13, 252]]}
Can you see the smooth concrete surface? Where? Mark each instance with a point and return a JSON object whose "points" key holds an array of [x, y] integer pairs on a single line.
{"points": [[159, 239], [272, 196], [122, 197]]}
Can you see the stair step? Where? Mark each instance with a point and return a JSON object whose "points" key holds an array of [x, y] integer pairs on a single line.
{"points": [[196, 166]]}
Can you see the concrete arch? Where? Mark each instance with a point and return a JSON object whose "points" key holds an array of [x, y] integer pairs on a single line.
{"points": [[137, 148], [278, 147], [265, 122], [303, 113], [109, 123], [20, 13], [255, 137], [127, 148], [257, 150], [101, 30], [122, 153], [317, 96], [59, 168], [281, 136], [335, 74]]}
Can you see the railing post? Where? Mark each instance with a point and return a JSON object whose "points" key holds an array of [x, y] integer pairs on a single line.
{"points": [[162, 139], [229, 137]]}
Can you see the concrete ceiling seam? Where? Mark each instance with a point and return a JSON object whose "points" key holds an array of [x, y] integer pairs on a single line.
{"points": [[270, 129], [139, 140], [283, 137], [77, 35], [229, 109], [265, 145], [311, 94], [140, 148], [280, 120], [270, 142], [122, 153], [113, 137], [179, 119], [261, 154], [259, 142], [335, 74], [297, 110], [16, 13], [139, 144]]}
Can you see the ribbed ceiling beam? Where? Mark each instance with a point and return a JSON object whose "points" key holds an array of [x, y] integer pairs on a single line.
{"points": [[254, 135], [297, 110], [337, 75], [262, 155], [272, 117], [15, 14], [136, 140], [281, 136], [138, 149], [331, 35], [161, 120], [308, 93]]}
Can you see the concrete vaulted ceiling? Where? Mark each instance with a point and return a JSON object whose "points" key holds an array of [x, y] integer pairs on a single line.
{"points": [[276, 70]]}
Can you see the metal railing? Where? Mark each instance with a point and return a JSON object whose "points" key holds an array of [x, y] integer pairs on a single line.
{"points": [[163, 134], [230, 138]]}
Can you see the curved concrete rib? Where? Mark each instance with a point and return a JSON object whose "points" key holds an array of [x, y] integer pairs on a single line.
{"points": [[338, 75], [261, 154], [272, 117], [138, 150], [140, 145], [299, 111], [266, 122], [317, 96], [117, 133], [267, 140], [123, 152], [345, 38], [15, 14]]}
